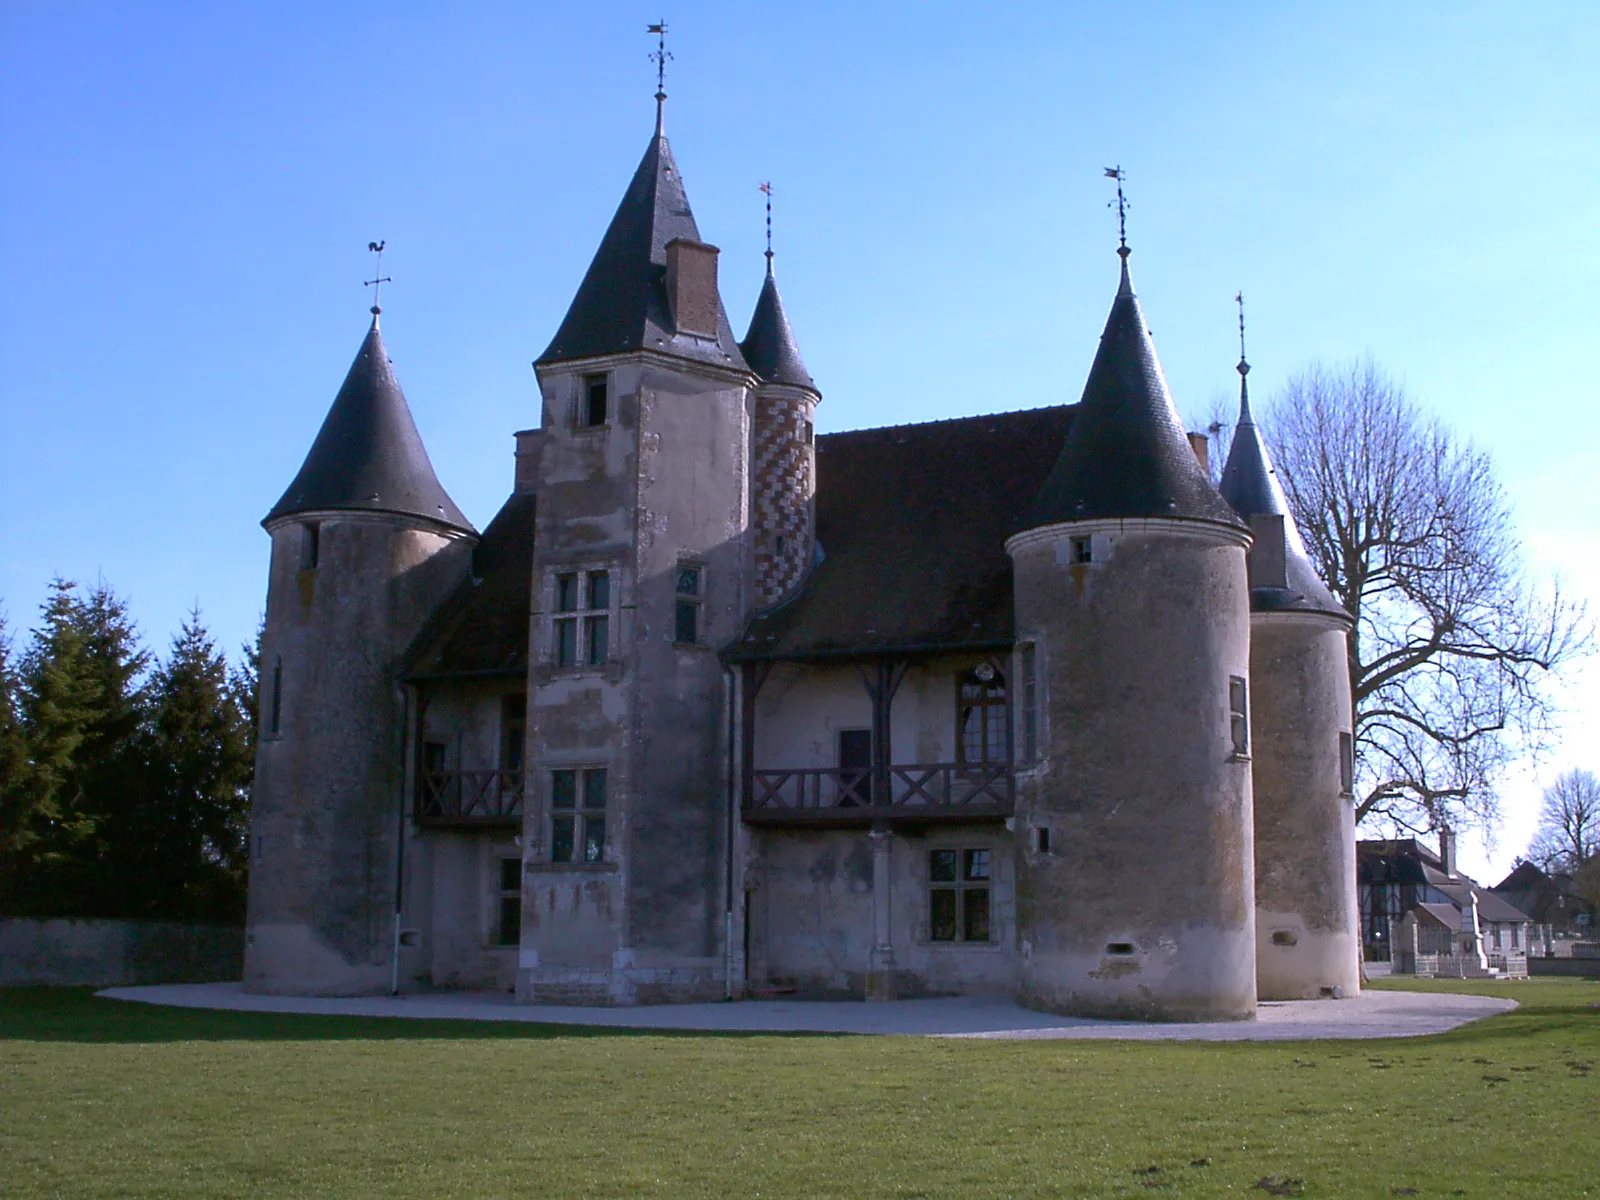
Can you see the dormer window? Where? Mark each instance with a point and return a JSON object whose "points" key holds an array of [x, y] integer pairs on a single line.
{"points": [[593, 400]]}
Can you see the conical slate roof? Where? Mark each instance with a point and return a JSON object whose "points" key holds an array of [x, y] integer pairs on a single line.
{"points": [[1251, 486], [1127, 455], [621, 305], [769, 347], [368, 456]]}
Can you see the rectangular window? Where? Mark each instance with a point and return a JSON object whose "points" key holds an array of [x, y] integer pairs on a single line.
{"points": [[592, 403], [1082, 550], [959, 882], [981, 717], [1347, 764], [508, 929], [310, 545], [1029, 661], [808, 432], [577, 815], [580, 630], [1239, 714], [686, 629]]}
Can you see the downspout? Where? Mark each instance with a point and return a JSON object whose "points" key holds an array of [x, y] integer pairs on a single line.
{"points": [[733, 800], [400, 840]]}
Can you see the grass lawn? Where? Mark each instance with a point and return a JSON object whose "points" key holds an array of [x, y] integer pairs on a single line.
{"points": [[101, 1098]]}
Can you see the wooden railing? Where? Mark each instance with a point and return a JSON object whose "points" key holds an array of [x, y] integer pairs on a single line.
{"points": [[935, 791], [488, 797]]}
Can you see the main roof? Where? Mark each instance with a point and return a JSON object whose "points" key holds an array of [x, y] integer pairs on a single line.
{"points": [[621, 305], [1251, 486], [769, 347], [912, 523], [483, 628], [1127, 455], [368, 456]]}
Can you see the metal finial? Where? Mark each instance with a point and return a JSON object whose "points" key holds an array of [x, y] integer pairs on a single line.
{"points": [[1244, 367], [766, 189], [1119, 175], [660, 56], [376, 284]]}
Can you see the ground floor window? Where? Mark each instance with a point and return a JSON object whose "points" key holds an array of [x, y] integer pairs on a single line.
{"points": [[958, 895], [577, 815], [508, 918]]}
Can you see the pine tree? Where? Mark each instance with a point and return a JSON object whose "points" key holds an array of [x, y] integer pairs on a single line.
{"points": [[15, 790]]}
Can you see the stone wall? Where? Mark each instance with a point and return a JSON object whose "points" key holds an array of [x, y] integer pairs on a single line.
{"points": [[117, 953]]}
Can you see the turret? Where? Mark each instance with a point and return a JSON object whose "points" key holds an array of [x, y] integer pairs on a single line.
{"points": [[365, 545], [640, 557], [1308, 940], [1135, 889], [783, 472]]}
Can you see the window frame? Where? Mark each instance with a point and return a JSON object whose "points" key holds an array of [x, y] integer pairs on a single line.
{"points": [[963, 882], [689, 603], [585, 840], [988, 702], [579, 636]]}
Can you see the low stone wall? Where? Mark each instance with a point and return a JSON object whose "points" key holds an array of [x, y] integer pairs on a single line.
{"points": [[112, 953], [1575, 968]]}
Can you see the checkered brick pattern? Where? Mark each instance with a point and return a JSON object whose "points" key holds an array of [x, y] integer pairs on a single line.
{"points": [[780, 498]]}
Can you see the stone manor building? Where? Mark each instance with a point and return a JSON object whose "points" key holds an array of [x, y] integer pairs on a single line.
{"points": [[717, 707]]}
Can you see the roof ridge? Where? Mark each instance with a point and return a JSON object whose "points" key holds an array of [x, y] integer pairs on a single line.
{"points": [[1010, 412]]}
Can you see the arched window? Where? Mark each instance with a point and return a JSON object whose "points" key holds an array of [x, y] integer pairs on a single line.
{"points": [[981, 734]]}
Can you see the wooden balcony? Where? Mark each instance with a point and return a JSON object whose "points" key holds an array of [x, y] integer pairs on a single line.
{"points": [[470, 800], [922, 792]]}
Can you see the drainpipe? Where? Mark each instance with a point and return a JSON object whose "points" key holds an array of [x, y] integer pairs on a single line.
{"points": [[733, 800], [400, 842]]}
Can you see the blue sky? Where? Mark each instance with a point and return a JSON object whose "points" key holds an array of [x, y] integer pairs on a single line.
{"points": [[189, 191]]}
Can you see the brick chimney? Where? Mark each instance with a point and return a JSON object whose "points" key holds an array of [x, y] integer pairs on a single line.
{"points": [[1201, 445], [692, 286], [1447, 850]]}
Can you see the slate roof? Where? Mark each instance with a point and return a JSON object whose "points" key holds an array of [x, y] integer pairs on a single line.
{"points": [[1251, 485], [621, 305], [1490, 906], [368, 456], [912, 522], [769, 347], [1127, 455], [483, 628]]}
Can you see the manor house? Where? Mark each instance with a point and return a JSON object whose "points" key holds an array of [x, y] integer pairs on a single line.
{"points": [[719, 707]]}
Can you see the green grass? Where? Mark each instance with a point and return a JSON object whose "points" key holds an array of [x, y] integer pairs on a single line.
{"points": [[101, 1098]]}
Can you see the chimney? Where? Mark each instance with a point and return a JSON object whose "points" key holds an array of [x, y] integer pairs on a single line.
{"points": [[529, 442], [1268, 552], [1447, 850], [692, 286], [1201, 445]]}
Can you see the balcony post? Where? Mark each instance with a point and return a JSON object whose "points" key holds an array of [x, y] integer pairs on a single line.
{"points": [[880, 963]]}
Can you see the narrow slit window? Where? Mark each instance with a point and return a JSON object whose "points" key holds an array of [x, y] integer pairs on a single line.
{"points": [[1029, 661], [686, 620], [310, 545], [508, 925], [1239, 714], [1347, 764], [276, 708]]}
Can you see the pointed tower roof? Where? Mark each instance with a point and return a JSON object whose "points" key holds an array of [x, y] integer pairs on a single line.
{"points": [[1127, 455], [621, 305], [368, 456], [1251, 486], [769, 347]]}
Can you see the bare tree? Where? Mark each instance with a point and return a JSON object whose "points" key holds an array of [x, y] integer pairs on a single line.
{"points": [[1569, 823], [1453, 646]]}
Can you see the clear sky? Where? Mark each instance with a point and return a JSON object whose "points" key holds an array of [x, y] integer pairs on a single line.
{"points": [[188, 191]]}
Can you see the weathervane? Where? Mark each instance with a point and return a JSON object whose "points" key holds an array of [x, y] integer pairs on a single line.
{"points": [[1244, 367], [766, 189], [660, 56], [1119, 175], [375, 284]]}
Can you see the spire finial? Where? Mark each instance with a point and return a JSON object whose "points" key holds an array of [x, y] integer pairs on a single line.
{"points": [[1120, 175], [766, 189], [376, 284], [660, 56], [1244, 366]]}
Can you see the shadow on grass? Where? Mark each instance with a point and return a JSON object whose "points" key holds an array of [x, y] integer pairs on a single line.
{"points": [[49, 1014]]}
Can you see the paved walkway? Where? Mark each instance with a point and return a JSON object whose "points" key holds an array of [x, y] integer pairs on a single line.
{"points": [[1370, 1015]]}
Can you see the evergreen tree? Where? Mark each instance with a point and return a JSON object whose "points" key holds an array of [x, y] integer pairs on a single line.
{"points": [[15, 790]]}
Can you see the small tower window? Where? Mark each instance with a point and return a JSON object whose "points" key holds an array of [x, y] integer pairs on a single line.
{"points": [[593, 403], [1082, 550], [686, 620], [808, 432], [1239, 714], [310, 545], [1347, 765], [276, 708]]}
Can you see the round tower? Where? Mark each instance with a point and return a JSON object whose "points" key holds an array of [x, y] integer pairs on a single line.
{"points": [[365, 546], [782, 463], [1308, 937], [1135, 887]]}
